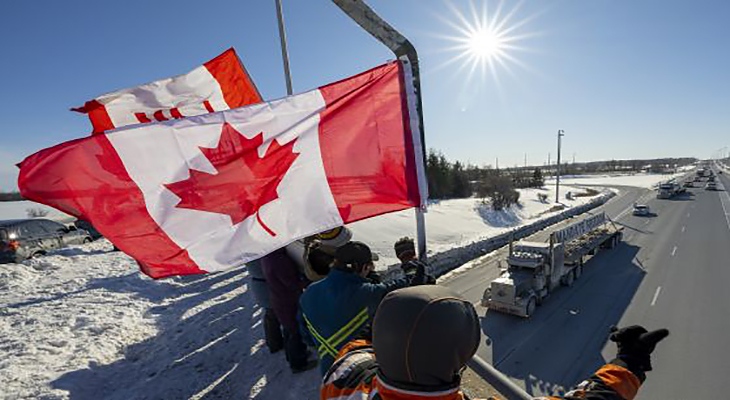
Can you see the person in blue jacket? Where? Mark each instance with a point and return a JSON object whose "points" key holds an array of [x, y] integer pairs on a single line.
{"points": [[341, 306]]}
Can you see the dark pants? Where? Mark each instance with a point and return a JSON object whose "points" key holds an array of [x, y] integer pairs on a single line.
{"points": [[272, 331], [295, 349]]}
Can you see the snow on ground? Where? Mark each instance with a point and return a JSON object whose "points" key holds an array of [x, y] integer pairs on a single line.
{"points": [[455, 223], [83, 323], [637, 180]]}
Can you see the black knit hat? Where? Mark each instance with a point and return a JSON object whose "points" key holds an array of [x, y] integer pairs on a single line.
{"points": [[354, 254], [404, 246], [423, 336]]}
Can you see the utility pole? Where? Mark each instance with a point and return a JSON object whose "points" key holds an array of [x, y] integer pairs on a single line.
{"points": [[497, 164], [525, 160], [557, 170]]}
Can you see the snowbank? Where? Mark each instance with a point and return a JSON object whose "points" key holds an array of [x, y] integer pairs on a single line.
{"points": [[456, 223]]}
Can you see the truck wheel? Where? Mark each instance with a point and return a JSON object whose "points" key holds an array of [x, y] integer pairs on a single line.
{"points": [[530, 309], [568, 279], [578, 271]]}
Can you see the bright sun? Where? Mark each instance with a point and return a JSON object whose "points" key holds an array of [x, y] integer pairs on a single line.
{"points": [[486, 41]]}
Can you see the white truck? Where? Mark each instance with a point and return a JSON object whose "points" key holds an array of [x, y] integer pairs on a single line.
{"points": [[669, 189], [535, 268]]}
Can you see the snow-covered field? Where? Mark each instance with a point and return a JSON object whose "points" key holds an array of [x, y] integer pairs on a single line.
{"points": [[83, 323], [637, 180]]}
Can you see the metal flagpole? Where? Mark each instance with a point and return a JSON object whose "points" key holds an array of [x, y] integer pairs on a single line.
{"points": [[371, 22], [284, 50], [406, 53]]}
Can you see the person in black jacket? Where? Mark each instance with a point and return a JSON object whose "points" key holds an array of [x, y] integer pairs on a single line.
{"points": [[405, 250], [272, 327], [286, 283]]}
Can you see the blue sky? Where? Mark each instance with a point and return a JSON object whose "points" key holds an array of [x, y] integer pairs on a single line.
{"points": [[630, 79]]}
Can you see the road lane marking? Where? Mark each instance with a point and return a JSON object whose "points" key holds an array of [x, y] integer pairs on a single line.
{"points": [[674, 250], [683, 229], [687, 215], [656, 295], [724, 209]]}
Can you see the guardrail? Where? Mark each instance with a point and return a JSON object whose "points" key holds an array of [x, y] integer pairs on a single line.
{"points": [[499, 382], [448, 260]]}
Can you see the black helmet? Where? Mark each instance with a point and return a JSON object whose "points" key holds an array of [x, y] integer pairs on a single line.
{"points": [[423, 336]]}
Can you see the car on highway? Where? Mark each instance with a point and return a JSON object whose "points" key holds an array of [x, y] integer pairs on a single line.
{"points": [[711, 186], [688, 184], [21, 239], [641, 210]]}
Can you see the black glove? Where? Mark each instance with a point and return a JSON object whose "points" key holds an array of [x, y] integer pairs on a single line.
{"points": [[410, 268], [635, 345], [374, 277]]}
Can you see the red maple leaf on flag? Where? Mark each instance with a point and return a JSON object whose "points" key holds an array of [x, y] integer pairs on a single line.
{"points": [[244, 182]]}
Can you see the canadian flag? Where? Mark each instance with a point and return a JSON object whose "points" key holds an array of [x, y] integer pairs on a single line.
{"points": [[210, 192], [220, 84]]}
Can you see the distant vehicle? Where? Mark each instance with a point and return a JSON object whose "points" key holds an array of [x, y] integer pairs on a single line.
{"points": [[641, 210], [711, 186], [688, 184], [668, 190], [22, 239], [711, 179]]}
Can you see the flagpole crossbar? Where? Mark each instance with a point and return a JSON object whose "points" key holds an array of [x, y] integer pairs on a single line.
{"points": [[371, 22]]}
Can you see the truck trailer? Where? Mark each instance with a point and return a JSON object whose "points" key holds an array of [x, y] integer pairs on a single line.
{"points": [[535, 269]]}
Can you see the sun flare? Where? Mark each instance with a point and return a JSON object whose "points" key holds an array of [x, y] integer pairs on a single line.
{"points": [[486, 40], [485, 43]]}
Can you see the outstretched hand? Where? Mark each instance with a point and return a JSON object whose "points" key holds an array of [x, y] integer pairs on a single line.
{"points": [[635, 344]]}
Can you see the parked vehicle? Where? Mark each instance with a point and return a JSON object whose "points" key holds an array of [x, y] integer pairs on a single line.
{"points": [[688, 184], [711, 186], [85, 225], [641, 210], [27, 238], [535, 269]]}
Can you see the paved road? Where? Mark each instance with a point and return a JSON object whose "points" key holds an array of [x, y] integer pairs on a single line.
{"points": [[672, 270]]}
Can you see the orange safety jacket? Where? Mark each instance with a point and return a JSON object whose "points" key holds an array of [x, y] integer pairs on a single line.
{"points": [[353, 376]]}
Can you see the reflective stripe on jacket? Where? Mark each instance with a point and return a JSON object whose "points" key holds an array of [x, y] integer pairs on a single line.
{"points": [[354, 377]]}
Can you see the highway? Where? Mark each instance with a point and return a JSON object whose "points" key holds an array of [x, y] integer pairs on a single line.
{"points": [[672, 270]]}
